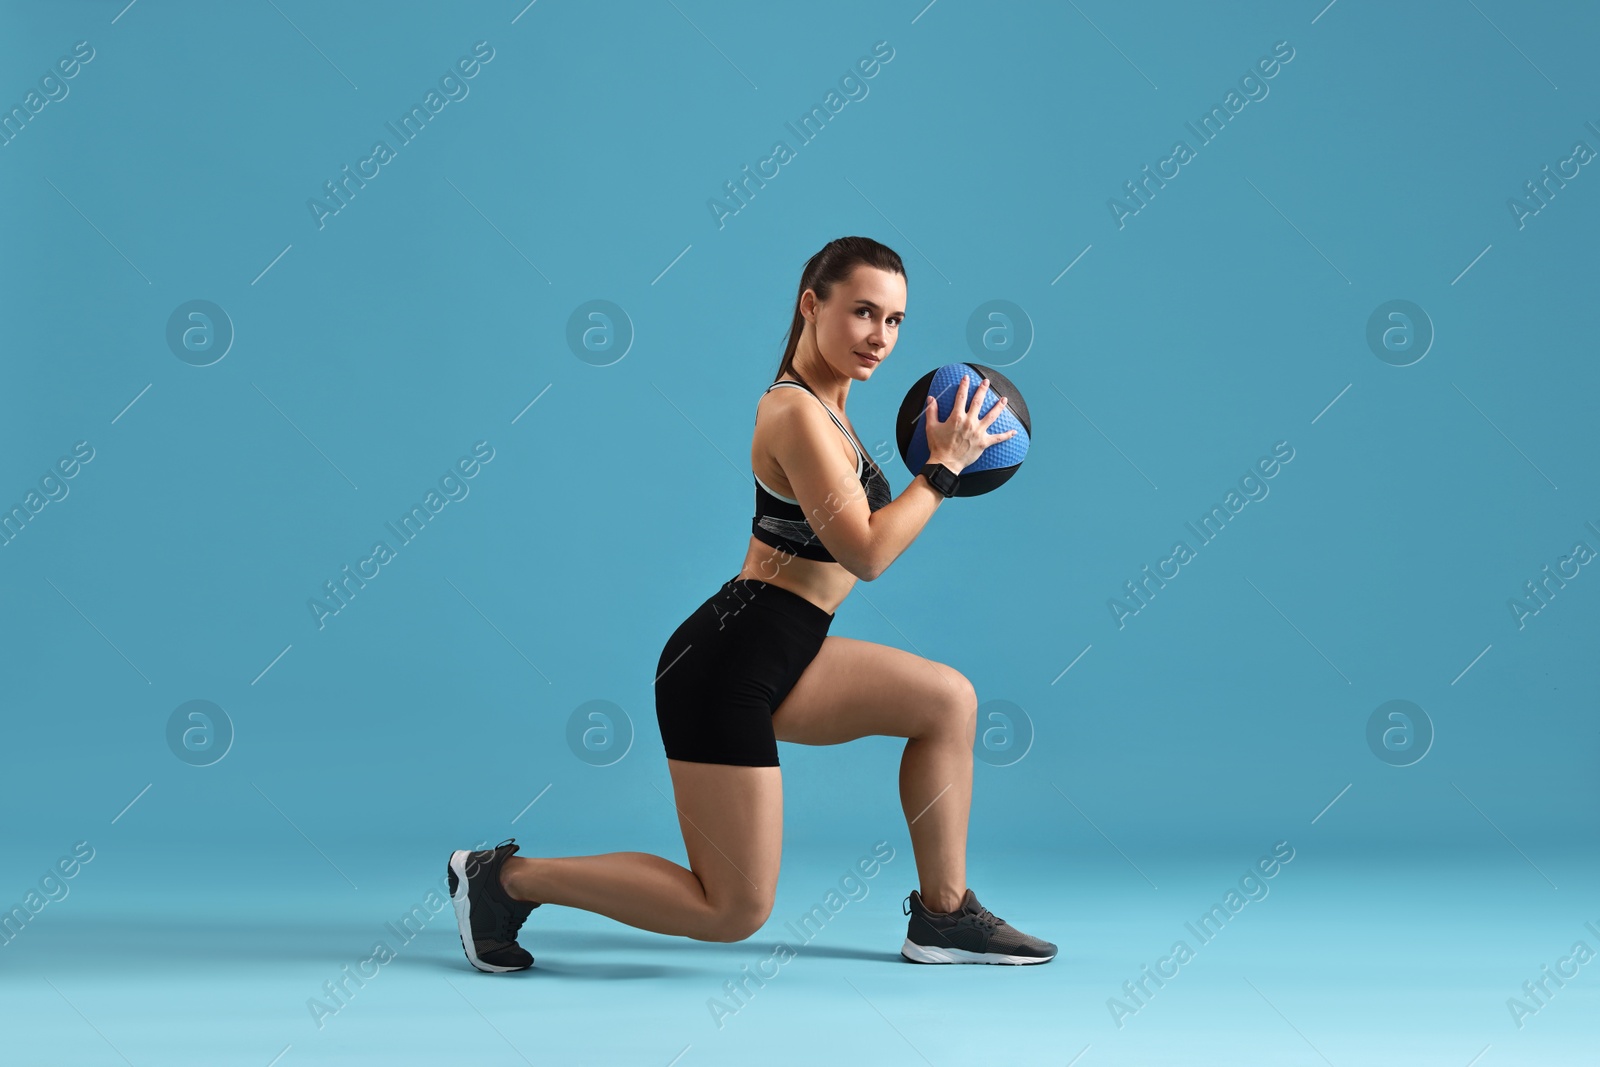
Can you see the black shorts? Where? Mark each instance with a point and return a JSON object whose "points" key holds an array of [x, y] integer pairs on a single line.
{"points": [[728, 666]]}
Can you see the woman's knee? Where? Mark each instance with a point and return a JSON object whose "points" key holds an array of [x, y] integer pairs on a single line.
{"points": [[737, 922], [959, 714]]}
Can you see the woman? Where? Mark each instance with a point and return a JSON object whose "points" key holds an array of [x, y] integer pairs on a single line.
{"points": [[753, 665]]}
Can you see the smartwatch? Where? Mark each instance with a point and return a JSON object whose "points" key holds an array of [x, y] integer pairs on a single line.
{"points": [[941, 478]]}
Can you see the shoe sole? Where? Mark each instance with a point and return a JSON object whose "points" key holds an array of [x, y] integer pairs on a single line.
{"points": [[463, 905], [928, 954]]}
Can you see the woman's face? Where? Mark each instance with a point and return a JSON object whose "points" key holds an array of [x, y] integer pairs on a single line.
{"points": [[860, 318]]}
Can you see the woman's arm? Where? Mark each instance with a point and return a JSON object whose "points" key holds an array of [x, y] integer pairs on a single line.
{"points": [[862, 541], [895, 525]]}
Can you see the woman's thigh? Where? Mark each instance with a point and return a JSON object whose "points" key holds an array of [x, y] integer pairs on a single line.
{"points": [[857, 689], [732, 822]]}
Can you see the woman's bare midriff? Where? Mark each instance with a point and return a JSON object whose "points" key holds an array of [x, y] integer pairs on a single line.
{"points": [[822, 583]]}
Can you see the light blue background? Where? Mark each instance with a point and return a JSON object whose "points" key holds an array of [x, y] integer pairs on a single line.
{"points": [[1227, 315]]}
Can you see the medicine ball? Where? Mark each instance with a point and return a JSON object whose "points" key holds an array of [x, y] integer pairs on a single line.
{"points": [[999, 461]]}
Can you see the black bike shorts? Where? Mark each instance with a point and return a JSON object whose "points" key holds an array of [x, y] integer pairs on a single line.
{"points": [[728, 666]]}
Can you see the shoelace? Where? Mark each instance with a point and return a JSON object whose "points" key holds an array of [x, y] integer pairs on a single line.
{"points": [[507, 923], [982, 917]]}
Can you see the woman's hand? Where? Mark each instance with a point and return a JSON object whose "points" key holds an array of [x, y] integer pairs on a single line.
{"points": [[959, 440]]}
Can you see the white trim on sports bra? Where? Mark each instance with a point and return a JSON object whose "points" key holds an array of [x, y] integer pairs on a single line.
{"points": [[769, 489], [861, 457]]}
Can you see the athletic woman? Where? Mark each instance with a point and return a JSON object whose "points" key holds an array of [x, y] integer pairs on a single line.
{"points": [[754, 665]]}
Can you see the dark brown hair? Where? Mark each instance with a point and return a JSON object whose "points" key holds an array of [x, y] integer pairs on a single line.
{"points": [[832, 265]]}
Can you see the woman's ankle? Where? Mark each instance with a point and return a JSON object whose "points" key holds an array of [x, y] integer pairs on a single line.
{"points": [[928, 904], [513, 877]]}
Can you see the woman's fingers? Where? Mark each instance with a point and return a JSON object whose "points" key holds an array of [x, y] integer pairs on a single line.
{"points": [[978, 394], [994, 412]]}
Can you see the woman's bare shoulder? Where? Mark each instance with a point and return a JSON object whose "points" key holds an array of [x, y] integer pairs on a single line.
{"points": [[797, 425], [784, 399]]}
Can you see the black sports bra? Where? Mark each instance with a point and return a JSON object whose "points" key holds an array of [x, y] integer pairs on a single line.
{"points": [[781, 522]]}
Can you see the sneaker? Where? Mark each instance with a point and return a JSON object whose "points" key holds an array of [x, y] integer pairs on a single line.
{"points": [[486, 916], [970, 934]]}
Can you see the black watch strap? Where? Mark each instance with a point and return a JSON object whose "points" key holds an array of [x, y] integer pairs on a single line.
{"points": [[941, 478]]}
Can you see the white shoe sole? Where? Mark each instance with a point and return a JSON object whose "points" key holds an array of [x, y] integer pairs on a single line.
{"points": [[463, 906], [928, 954]]}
